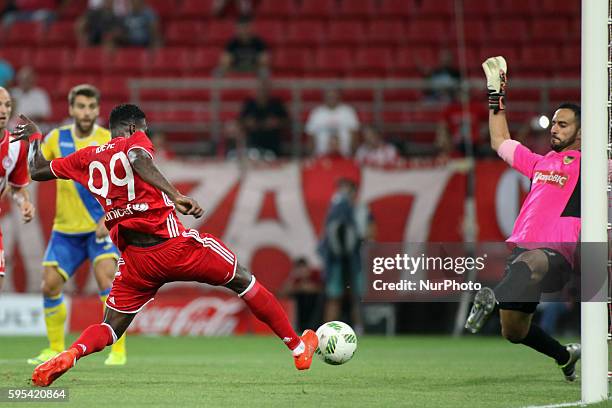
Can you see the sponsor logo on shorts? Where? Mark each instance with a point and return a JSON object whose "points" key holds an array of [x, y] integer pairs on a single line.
{"points": [[128, 210], [550, 177]]}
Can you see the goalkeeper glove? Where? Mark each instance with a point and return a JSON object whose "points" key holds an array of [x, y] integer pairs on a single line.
{"points": [[495, 69]]}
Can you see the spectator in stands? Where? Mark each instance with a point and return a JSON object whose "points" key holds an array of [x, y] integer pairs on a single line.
{"points": [[31, 100], [458, 118], [32, 10], [120, 7], [443, 80], [374, 151], [264, 119], [305, 287], [246, 52], [332, 117], [220, 8], [7, 73], [141, 27], [100, 26], [347, 226]]}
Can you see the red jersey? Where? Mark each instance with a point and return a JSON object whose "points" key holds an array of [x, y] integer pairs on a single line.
{"points": [[127, 199], [14, 159]]}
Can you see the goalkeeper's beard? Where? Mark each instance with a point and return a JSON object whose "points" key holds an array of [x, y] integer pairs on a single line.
{"points": [[562, 144]]}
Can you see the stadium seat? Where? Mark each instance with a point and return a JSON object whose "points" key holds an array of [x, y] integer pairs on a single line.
{"points": [[533, 57], [305, 32], [318, 9], [203, 60], [570, 57], [332, 61], [271, 31], [129, 61], [218, 33], [275, 8], [291, 60], [26, 33], [60, 33], [475, 31], [200, 9], [67, 82], [51, 60], [184, 33], [437, 8], [510, 53], [114, 87], [428, 31], [169, 61], [559, 95], [16, 56], [357, 8], [90, 60], [385, 31], [402, 95], [397, 8], [350, 33], [569, 8], [552, 30], [518, 8], [164, 8], [478, 8], [411, 61], [509, 31], [373, 62]]}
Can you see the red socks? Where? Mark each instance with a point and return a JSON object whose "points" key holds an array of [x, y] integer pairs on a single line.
{"points": [[264, 305], [94, 339]]}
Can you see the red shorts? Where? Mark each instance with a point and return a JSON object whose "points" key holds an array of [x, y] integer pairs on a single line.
{"points": [[190, 257]]}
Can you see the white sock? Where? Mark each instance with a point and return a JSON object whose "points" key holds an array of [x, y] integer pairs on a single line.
{"points": [[299, 349]]}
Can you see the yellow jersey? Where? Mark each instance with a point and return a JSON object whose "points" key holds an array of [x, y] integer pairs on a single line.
{"points": [[76, 210]]}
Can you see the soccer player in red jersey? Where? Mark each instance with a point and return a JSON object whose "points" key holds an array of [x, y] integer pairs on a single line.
{"points": [[13, 170], [155, 248]]}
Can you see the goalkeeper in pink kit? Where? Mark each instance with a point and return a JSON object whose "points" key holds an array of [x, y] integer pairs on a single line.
{"points": [[140, 206], [546, 230]]}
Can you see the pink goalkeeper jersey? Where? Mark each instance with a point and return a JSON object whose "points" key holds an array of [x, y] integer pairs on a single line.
{"points": [[550, 213]]}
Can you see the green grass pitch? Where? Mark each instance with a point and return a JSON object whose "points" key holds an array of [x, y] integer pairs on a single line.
{"points": [[411, 371]]}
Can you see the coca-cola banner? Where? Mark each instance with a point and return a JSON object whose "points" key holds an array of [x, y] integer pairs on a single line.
{"points": [[269, 214]]}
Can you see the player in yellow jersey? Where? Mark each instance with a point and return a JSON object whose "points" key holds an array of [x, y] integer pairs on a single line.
{"points": [[78, 229]]}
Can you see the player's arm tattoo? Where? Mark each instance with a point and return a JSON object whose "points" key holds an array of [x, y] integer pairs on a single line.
{"points": [[40, 168], [148, 171]]}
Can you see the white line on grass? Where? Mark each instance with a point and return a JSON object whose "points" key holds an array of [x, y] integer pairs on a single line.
{"points": [[562, 405]]}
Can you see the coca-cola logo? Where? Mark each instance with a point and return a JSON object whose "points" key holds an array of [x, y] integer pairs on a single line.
{"points": [[203, 316], [550, 177]]}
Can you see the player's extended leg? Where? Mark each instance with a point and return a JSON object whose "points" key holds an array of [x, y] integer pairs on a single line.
{"points": [[104, 271], [266, 307], [55, 313], [93, 339]]}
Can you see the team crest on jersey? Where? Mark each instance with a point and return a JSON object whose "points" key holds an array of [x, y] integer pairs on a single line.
{"points": [[550, 177], [7, 162], [568, 159]]}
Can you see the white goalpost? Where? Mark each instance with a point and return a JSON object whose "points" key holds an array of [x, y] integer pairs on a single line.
{"points": [[594, 200]]}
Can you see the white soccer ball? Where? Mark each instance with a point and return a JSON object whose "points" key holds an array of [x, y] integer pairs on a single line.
{"points": [[337, 342]]}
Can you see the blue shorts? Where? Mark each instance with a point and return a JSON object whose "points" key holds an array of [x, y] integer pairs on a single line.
{"points": [[68, 251]]}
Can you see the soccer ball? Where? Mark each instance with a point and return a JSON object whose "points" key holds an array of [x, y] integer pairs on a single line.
{"points": [[337, 342]]}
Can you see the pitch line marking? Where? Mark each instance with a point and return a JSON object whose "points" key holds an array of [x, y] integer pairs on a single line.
{"points": [[561, 405]]}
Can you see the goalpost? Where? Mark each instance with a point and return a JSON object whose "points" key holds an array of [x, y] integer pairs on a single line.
{"points": [[594, 200]]}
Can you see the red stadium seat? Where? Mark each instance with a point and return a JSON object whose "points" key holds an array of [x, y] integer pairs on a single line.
{"points": [[24, 34], [318, 8], [275, 8], [332, 61], [475, 31], [357, 8], [570, 57], [114, 87], [204, 60], [402, 95], [411, 61], [398, 8], [164, 8], [129, 61], [291, 59], [551, 30], [509, 31], [219, 33], [73, 9], [373, 61], [385, 31], [569, 8], [430, 31], [51, 60], [184, 33], [60, 33], [67, 82], [538, 56], [90, 60], [195, 9], [305, 32], [271, 31], [510, 53], [17, 56], [479, 8], [437, 8], [345, 33], [170, 61], [518, 8], [560, 95]]}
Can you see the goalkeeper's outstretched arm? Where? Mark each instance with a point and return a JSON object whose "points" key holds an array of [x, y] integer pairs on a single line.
{"points": [[495, 69]]}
